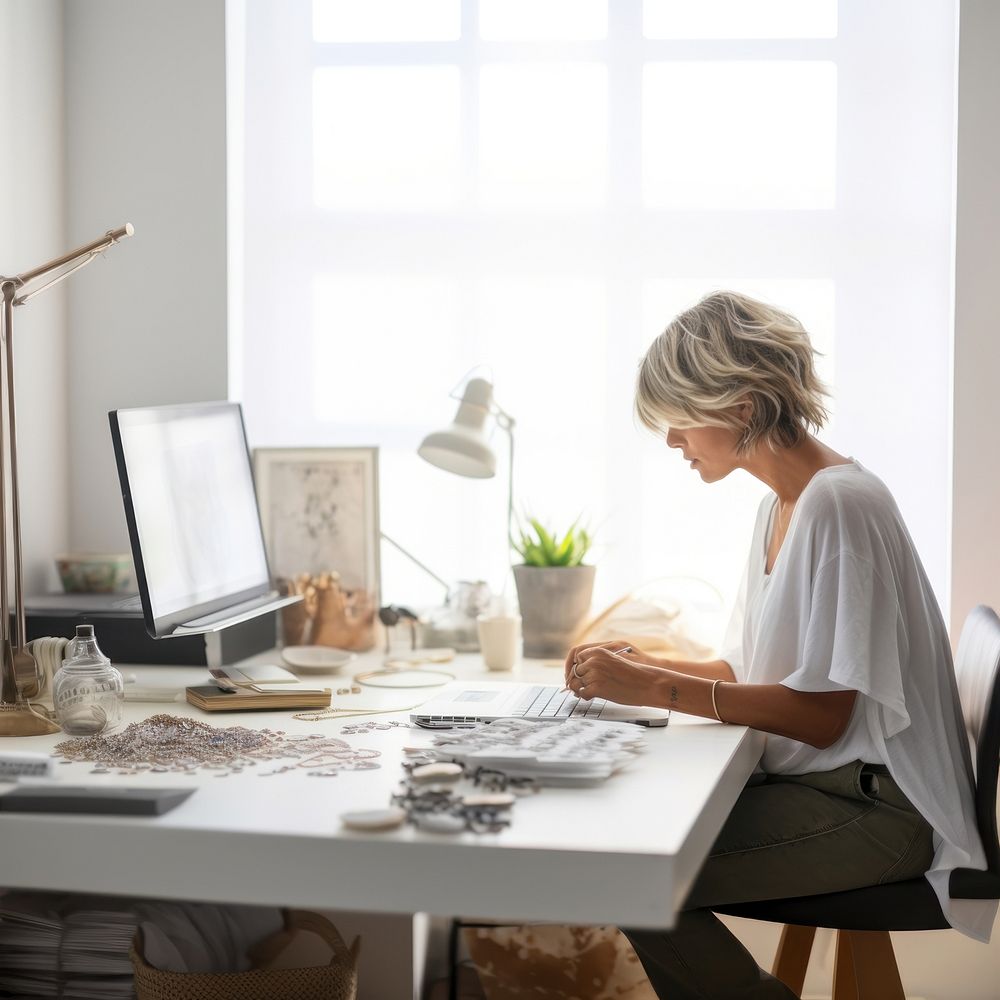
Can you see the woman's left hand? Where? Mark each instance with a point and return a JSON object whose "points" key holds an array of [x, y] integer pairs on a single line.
{"points": [[598, 673]]}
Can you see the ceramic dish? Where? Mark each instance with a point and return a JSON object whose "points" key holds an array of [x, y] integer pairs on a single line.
{"points": [[316, 659], [94, 573]]}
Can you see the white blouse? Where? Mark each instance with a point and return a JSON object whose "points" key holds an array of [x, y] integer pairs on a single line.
{"points": [[848, 606]]}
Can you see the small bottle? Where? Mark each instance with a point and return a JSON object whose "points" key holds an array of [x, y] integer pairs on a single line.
{"points": [[87, 691]]}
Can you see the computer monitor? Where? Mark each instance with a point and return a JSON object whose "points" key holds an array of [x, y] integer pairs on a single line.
{"points": [[193, 522]]}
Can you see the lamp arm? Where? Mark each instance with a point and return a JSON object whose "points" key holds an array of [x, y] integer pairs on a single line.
{"points": [[413, 559], [8, 365], [506, 422], [88, 251], [8, 688]]}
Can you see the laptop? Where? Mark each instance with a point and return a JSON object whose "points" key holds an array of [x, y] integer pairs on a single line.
{"points": [[463, 704], [192, 515]]}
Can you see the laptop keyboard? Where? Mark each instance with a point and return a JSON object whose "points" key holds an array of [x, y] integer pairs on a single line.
{"points": [[551, 702]]}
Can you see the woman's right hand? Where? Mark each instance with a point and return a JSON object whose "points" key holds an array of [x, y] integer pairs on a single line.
{"points": [[634, 655]]}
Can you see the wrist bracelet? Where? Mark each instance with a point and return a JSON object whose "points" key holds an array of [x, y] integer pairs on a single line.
{"points": [[715, 708]]}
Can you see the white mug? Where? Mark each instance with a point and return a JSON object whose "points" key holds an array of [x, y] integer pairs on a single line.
{"points": [[500, 640]]}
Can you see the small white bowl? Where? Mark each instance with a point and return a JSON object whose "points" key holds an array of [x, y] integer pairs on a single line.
{"points": [[317, 659]]}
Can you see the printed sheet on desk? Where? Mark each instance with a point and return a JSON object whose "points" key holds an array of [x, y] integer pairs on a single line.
{"points": [[572, 752]]}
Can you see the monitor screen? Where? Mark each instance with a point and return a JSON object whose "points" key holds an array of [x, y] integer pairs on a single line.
{"points": [[192, 512]]}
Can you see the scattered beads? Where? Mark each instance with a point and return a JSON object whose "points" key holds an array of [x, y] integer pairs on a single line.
{"points": [[354, 728], [374, 819], [166, 743], [436, 772]]}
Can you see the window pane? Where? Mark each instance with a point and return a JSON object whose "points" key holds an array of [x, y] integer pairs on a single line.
{"points": [[543, 136], [739, 135], [543, 20], [739, 18], [386, 138], [809, 300], [379, 341], [453, 525], [386, 20], [545, 340]]}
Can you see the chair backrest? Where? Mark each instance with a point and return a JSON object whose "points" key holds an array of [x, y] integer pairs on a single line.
{"points": [[977, 670]]}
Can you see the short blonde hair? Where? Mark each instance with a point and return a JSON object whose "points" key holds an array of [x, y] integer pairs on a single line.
{"points": [[728, 349]]}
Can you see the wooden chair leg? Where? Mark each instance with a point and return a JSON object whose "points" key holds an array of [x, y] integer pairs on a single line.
{"points": [[792, 957], [875, 966], [845, 984]]}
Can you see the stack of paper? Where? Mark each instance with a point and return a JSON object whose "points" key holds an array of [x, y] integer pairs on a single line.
{"points": [[29, 948], [58, 946], [77, 947]]}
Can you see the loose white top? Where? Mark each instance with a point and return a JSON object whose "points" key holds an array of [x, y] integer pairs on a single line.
{"points": [[848, 606]]}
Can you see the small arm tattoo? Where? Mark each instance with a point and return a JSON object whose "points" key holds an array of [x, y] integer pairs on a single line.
{"points": [[673, 694]]}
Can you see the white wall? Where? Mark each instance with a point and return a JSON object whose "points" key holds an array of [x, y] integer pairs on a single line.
{"points": [[146, 143], [32, 231], [975, 557]]}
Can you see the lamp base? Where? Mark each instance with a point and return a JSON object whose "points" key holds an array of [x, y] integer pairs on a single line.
{"points": [[21, 719]]}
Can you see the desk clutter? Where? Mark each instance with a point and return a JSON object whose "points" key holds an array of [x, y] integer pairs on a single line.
{"points": [[76, 684], [328, 614], [568, 753], [442, 797], [103, 948], [470, 779], [170, 744]]}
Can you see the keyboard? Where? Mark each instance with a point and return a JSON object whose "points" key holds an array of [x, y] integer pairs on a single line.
{"points": [[549, 701]]}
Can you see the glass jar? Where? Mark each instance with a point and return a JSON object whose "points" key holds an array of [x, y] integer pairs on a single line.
{"points": [[454, 625], [87, 691]]}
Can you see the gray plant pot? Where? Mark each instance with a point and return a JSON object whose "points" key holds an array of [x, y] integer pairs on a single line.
{"points": [[555, 602]]}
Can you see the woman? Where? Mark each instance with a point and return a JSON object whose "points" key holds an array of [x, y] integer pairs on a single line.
{"points": [[836, 649]]}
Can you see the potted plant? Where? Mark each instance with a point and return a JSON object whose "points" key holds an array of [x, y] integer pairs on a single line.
{"points": [[554, 588]]}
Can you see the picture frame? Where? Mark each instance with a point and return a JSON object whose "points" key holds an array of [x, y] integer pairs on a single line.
{"points": [[319, 512]]}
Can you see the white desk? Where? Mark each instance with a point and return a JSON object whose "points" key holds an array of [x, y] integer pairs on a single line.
{"points": [[624, 853]]}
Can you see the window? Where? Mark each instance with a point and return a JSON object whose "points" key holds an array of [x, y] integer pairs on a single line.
{"points": [[432, 185]]}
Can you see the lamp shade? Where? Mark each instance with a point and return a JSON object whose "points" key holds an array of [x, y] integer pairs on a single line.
{"points": [[462, 447]]}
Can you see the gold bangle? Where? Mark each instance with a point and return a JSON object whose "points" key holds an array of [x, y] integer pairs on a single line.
{"points": [[715, 708]]}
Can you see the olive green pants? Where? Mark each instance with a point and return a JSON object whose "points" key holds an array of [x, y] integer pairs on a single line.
{"points": [[788, 835]]}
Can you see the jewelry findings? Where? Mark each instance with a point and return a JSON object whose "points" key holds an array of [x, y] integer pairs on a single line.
{"points": [[347, 712], [166, 743]]}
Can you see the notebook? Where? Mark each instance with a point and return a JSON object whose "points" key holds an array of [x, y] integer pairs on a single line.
{"points": [[211, 698], [465, 704]]}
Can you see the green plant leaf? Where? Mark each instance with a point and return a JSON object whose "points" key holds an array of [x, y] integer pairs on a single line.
{"points": [[565, 550], [547, 548], [547, 543]]}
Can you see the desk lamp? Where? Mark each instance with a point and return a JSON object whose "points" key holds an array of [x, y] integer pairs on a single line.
{"points": [[18, 671], [463, 447]]}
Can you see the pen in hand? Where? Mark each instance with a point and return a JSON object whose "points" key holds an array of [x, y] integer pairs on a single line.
{"points": [[613, 652]]}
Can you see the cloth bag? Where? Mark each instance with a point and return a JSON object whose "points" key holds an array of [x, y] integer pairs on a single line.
{"points": [[336, 981]]}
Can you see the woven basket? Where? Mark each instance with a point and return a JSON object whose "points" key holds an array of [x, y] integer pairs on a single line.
{"points": [[336, 981]]}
